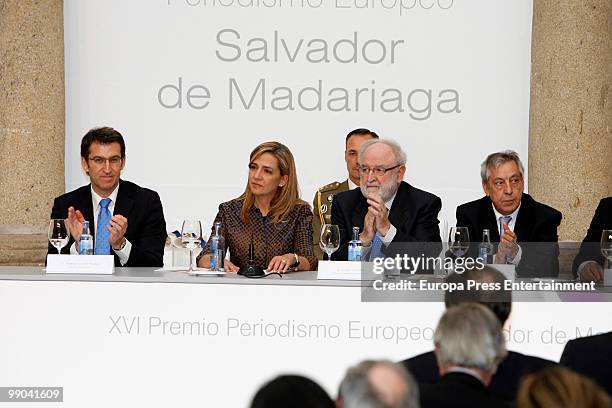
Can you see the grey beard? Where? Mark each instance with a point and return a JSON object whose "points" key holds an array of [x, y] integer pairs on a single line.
{"points": [[386, 191]]}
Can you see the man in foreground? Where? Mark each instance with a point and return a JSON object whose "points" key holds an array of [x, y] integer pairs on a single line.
{"points": [[506, 380], [469, 344]]}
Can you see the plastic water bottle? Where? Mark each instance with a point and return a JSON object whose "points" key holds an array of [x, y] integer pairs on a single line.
{"points": [[86, 243], [355, 246], [485, 249], [217, 249]]}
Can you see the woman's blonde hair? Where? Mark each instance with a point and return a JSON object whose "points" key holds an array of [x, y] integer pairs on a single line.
{"points": [[560, 387], [286, 197]]}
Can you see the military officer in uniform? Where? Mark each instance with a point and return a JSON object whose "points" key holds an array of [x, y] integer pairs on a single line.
{"points": [[322, 202]]}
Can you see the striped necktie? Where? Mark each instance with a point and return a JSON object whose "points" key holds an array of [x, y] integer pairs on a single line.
{"points": [[505, 219]]}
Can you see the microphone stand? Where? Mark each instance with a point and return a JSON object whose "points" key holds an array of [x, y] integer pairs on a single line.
{"points": [[250, 270]]}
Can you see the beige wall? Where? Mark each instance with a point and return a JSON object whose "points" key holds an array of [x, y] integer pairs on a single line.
{"points": [[570, 141], [570, 137], [31, 124]]}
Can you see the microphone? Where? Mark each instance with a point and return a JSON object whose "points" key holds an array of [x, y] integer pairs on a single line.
{"points": [[250, 270]]}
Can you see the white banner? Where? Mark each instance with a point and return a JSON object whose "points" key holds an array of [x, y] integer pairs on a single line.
{"points": [[194, 85], [201, 345]]}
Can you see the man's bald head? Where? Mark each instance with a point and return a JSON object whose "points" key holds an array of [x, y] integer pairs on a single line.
{"points": [[378, 384]]}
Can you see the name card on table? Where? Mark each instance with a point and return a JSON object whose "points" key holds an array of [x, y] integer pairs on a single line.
{"points": [[81, 264], [339, 270]]}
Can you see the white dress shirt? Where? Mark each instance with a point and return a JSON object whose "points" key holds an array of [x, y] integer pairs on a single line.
{"points": [[388, 238]]}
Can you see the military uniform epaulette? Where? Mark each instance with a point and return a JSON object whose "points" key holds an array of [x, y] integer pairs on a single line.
{"points": [[322, 205], [330, 186]]}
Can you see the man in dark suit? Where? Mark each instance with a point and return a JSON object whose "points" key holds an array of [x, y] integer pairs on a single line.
{"points": [[592, 357], [469, 344], [506, 380], [125, 219], [588, 264], [391, 214], [512, 217]]}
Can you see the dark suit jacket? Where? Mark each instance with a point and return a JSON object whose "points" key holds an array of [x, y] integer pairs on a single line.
{"points": [[414, 214], [592, 357], [143, 209], [505, 382], [458, 390], [590, 248], [536, 224]]}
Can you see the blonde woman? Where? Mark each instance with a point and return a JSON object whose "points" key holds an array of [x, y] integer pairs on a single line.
{"points": [[271, 213], [560, 387]]}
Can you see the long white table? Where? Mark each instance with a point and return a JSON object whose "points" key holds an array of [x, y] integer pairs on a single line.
{"points": [[159, 339]]}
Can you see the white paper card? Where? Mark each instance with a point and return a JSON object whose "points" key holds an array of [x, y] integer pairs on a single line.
{"points": [[339, 270], [81, 264], [205, 272], [508, 270], [607, 281]]}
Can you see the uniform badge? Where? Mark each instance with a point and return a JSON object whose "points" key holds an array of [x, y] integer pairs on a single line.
{"points": [[330, 198], [324, 208]]}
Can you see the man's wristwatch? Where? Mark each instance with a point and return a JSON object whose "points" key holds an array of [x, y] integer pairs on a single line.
{"points": [[296, 263], [122, 245]]}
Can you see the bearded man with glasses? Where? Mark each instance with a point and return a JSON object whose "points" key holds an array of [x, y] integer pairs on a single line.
{"points": [[126, 220], [391, 214]]}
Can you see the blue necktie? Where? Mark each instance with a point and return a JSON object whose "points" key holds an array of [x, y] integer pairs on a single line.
{"points": [[376, 251], [102, 232], [503, 220]]}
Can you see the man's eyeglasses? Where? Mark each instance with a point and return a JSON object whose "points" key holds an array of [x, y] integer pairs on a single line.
{"points": [[377, 171], [100, 161]]}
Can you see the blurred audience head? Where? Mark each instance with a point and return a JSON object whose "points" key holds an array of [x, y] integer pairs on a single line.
{"points": [[292, 391], [378, 384], [560, 387], [469, 336], [499, 301]]}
